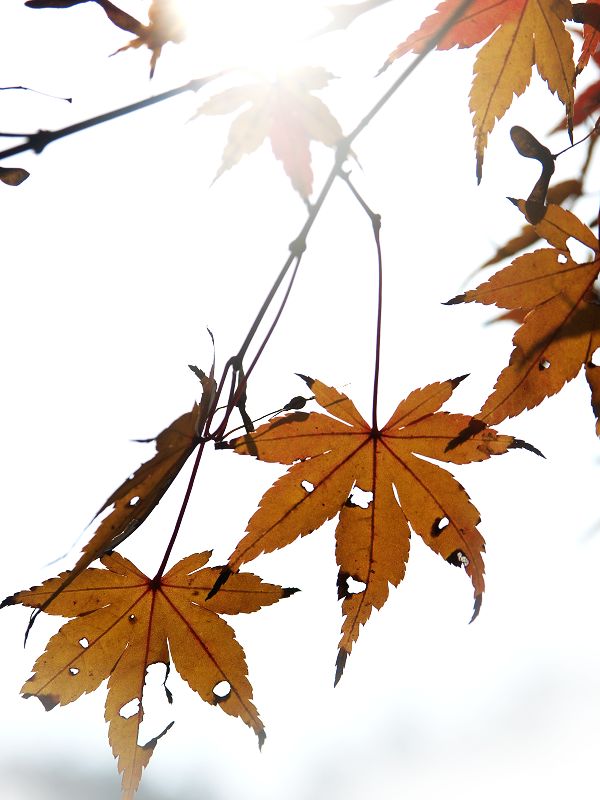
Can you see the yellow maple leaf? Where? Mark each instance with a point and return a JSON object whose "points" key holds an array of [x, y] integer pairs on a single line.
{"points": [[124, 622]]}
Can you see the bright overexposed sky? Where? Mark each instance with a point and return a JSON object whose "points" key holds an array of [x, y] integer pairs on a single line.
{"points": [[118, 253]]}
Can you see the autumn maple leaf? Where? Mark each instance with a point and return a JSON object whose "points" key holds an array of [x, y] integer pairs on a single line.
{"points": [[286, 112], [561, 329], [333, 454], [124, 622], [589, 14], [525, 32]]}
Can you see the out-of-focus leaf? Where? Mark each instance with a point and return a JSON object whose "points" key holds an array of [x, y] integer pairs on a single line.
{"points": [[13, 176], [287, 113], [589, 14]]}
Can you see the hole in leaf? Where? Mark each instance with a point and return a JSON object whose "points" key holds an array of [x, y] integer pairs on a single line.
{"points": [[439, 526], [458, 559], [361, 498], [73, 671], [544, 364], [221, 691], [307, 486], [354, 586], [562, 259], [130, 709], [84, 642], [134, 501], [132, 618]]}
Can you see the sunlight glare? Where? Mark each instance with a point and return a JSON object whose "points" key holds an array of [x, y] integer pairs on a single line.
{"points": [[265, 35]]}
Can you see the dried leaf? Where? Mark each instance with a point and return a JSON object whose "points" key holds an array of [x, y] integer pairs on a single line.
{"points": [[589, 14], [13, 176], [561, 330], [334, 455], [287, 113], [525, 32], [138, 496], [124, 622]]}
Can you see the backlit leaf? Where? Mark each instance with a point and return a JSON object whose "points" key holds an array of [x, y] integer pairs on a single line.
{"points": [[333, 454], [561, 329], [284, 111], [523, 33], [123, 623]]}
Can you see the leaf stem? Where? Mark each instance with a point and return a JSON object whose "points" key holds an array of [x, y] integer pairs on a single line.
{"points": [[376, 225], [182, 511]]}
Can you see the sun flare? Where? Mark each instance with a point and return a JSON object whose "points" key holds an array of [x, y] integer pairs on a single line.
{"points": [[265, 35]]}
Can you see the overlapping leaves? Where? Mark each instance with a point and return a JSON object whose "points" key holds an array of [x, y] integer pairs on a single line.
{"points": [[561, 328], [123, 623], [334, 454], [523, 33]]}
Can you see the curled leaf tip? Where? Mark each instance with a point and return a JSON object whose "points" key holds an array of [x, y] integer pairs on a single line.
{"points": [[521, 444], [476, 607]]}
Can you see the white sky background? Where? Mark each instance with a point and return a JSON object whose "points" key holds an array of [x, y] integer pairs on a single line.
{"points": [[117, 255]]}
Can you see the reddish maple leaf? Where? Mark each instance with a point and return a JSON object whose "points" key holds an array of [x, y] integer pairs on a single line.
{"points": [[525, 32], [284, 111]]}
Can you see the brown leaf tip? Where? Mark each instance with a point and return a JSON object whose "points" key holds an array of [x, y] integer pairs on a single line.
{"points": [[261, 738], [49, 701], [8, 601], [308, 381], [288, 592], [340, 663], [476, 607], [455, 381], [521, 444], [460, 298]]}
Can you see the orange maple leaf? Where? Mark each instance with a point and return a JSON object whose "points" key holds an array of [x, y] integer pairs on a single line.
{"points": [[333, 454], [124, 622], [561, 329], [287, 113], [525, 32]]}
